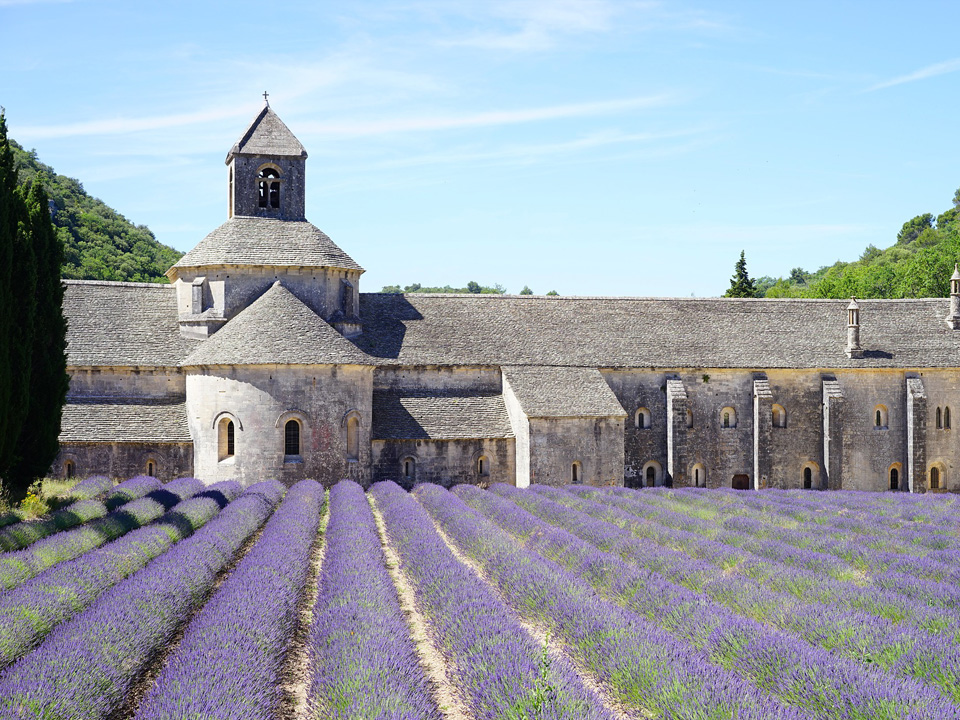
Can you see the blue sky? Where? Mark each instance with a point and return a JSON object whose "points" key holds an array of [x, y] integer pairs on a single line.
{"points": [[588, 146]]}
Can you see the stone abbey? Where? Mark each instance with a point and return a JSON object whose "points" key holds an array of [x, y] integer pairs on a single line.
{"points": [[262, 359]]}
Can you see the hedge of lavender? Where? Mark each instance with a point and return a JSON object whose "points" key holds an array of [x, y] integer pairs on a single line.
{"points": [[811, 678], [87, 665], [131, 489], [21, 534], [18, 567], [30, 611], [646, 668], [91, 487], [228, 664], [493, 662], [364, 662]]}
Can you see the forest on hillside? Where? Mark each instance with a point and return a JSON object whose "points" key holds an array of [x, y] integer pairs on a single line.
{"points": [[98, 242], [919, 264]]}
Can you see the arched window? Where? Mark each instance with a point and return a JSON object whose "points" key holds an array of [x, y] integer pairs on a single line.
{"points": [[946, 418], [643, 419], [151, 468], [225, 439], [880, 418], [652, 474], [779, 416], [69, 469], [576, 473], [807, 478], [651, 477], [483, 466], [689, 418], [894, 478], [939, 419], [353, 438], [934, 478], [728, 418], [409, 468], [291, 437], [269, 188], [699, 475]]}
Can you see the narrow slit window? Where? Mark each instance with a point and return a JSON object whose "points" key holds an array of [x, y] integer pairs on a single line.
{"points": [[807, 478], [894, 479], [946, 418], [291, 438], [151, 468], [939, 419], [68, 469], [353, 438], [225, 439], [576, 473], [934, 478]]}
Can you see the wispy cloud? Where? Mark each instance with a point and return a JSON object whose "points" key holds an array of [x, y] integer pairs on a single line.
{"points": [[484, 119], [922, 74]]}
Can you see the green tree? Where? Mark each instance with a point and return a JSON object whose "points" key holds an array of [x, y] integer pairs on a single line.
{"points": [[553, 293], [474, 287], [526, 290], [741, 286], [912, 228], [38, 443], [9, 218]]}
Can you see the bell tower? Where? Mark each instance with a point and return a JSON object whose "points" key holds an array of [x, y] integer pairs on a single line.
{"points": [[266, 171]]}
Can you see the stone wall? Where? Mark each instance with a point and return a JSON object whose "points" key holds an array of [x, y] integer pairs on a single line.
{"points": [[127, 382], [595, 443], [122, 461], [444, 462], [260, 400]]}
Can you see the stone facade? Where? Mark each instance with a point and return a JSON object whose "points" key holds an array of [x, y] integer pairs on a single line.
{"points": [[262, 360]]}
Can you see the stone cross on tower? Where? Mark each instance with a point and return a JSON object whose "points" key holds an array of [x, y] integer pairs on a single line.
{"points": [[265, 97]]}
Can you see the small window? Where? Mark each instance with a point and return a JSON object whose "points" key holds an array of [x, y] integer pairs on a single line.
{"points": [[939, 419], [69, 469], [894, 479], [151, 468], [483, 466], [779, 416], [225, 439], [353, 438], [643, 419], [728, 417], [409, 468], [934, 478], [807, 478], [291, 438], [576, 473], [699, 476], [652, 474], [269, 188], [946, 418], [880, 417]]}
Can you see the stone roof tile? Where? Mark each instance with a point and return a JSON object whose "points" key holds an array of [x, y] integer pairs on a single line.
{"points": [[266, 241], [267, 135], [128, 324], [277, 329], [438, 416], [562, 392], [124, 420], [603, 332]]}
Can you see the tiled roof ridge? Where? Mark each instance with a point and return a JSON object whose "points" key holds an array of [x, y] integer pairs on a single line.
{"points": [[648, 298], [119, 283]]}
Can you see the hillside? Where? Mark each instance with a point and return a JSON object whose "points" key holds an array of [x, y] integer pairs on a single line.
{"points": [[919, 264], [99, 243]]}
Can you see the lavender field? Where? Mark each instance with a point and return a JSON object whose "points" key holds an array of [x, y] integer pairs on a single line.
{"points": [[181, 601]]}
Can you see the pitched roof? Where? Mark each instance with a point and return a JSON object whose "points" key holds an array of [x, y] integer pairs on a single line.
{"points": [[438, 416], [267, 135], [267, 241], [562, 392], [132, 420], [277, 329], [110, 323], [603, 332]]}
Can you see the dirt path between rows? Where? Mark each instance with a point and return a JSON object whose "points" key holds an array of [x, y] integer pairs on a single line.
{"points": [[446, 695]]}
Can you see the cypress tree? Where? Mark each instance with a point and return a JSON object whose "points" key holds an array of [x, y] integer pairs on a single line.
{"points": [[8, 233], [741, 285], [38, 444]]}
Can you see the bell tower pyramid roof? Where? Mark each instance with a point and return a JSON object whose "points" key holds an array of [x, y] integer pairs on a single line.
{"points": [[267, 135]]}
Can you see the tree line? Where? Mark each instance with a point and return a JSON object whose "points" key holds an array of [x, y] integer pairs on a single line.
{"points": [[33, 363], [918, 265]]}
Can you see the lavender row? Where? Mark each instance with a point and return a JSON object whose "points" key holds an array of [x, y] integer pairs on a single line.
{"points": [[228, 664], [30, 611], [21, 534], [86, 666], [803, 566], [364, 662], [490, 657], [729, 629], [793, 583], [92, 487], [18, 567], [131, 489], [647, 669]]}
